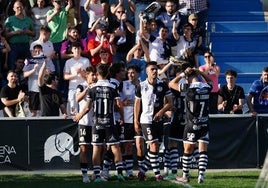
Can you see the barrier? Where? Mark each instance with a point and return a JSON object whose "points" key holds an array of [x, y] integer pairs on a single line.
{"points": [[237, 141]]}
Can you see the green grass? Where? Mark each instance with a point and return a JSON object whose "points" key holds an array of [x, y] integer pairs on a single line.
{"points": [[232, 179]]}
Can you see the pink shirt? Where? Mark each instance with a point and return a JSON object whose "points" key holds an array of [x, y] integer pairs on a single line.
{"points": [[212, 75]]}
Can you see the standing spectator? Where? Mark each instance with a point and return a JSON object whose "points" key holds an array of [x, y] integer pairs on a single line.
{"points": [[124, 34], [166, 18], [103, 40], [135, 58], [74, 71], [128, 5], [11, 94], [158, 46], [257, 99], [86, 122], [196, 129], [95, 10], [82, 17], [102, 98], [213, 72], [57, 22], [50, 99], [4, 49], [199, 7], [47, 46], [18, 30], [30, 71], [39, 10], [153, 99], [199, 35], [231, 96], [186, 45]]}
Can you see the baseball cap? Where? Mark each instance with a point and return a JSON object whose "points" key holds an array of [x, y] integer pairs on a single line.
{"points": [[101, 26]]}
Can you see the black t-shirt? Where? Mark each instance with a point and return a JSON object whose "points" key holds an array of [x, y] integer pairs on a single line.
{"points": [[50, 100], [232, 97], [10, 94]]}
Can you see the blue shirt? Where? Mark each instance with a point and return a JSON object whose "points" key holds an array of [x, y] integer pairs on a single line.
{"points": [[259, 91]]}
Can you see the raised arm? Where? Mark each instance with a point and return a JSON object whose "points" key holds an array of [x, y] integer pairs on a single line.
{"points": [[41, 74]]}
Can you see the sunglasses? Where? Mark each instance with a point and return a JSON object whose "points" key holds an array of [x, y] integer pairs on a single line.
{"points": [[59, 2], [207, 56], [120, 12]]}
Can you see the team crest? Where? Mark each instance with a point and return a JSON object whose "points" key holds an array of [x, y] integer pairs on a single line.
{"points": [[159, 88]]}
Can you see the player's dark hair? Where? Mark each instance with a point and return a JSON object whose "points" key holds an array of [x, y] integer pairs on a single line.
{"points": [[48, 78], [151, 63], [134, 67], [116, 68], [265, 69], [103, 70]]}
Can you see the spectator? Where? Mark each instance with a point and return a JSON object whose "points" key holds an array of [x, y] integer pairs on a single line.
{"points": [[30, 71], [82, 17], [39, 10], [57, 22], [186, 45], [4, 49], [128, 5], [213, 72], [73, 35], [199, 7], [50, 99], [18, 30], [103, 97], [166, 18], [85, 124], [94, 10], [103, 40], [231, 96], [104, 56], [198, 35], [74, 71], [257, 99], [158, 46], [135, 58], [197, 118], [153, 99], [47, 46], [124, 34], [11, 94]]}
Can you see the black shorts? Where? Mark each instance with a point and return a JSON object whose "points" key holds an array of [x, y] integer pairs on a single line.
{"points": [[153, 132], [127, 132], [84, 134], [196, 133], [176, 130], [34, 100], [108, 135]]}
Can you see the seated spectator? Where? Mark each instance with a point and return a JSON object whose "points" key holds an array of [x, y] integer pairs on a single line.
{"points": [[18, 30], [257, 99], [231, 96], [11, 94]]}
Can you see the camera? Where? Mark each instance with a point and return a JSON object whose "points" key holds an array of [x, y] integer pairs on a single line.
{"points": [[150, 11]]}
